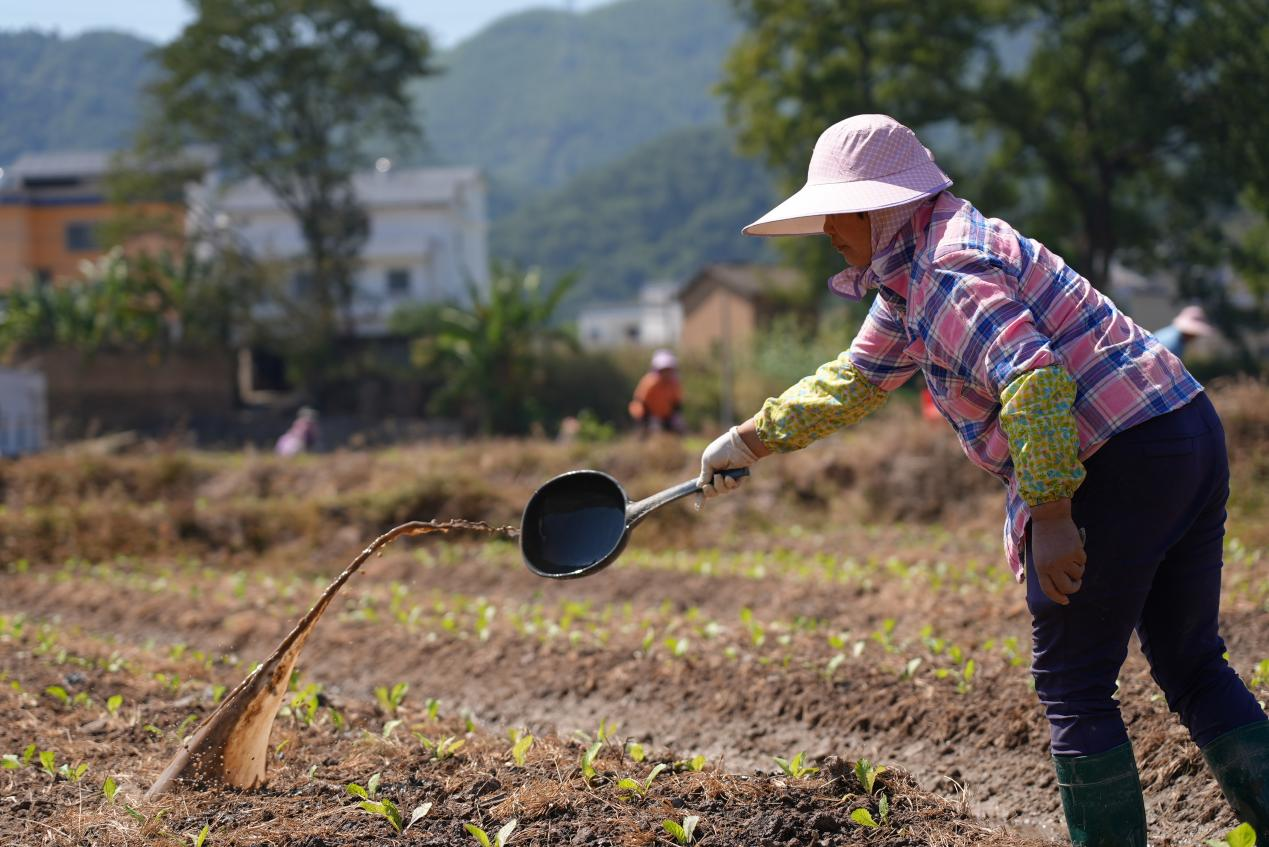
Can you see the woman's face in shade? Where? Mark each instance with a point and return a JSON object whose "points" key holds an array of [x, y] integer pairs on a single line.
{"points": [[851, 234]]}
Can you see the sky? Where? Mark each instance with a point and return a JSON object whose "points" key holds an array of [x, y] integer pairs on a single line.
{"points": [[448, 21]]}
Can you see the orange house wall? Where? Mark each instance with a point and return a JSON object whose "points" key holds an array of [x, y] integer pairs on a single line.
{"points": [[34, 237]]}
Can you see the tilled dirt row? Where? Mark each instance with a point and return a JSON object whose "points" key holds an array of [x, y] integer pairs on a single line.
{"points": [[55, 795], [740, 711]]}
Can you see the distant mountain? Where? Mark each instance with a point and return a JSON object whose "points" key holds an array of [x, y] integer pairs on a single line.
{"points": [[69, 93], [541, 96], [662, 211]]}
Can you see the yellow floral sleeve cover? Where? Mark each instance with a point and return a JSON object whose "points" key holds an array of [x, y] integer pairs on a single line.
{"points": [[1044, 444], [836, 395]]}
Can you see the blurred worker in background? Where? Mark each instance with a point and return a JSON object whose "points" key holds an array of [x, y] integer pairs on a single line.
{"points": [[302, 435], [1113, 457], [1189, 324], [659, 396]]}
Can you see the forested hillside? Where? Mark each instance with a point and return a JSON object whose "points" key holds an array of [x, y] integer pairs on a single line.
{"points": [[661, 211], [69, 93]]}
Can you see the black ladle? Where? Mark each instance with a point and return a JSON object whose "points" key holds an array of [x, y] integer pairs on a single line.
{"points": [[579, 522]]}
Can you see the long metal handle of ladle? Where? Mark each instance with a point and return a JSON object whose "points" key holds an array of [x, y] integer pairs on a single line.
{"points": [[640, 509]]}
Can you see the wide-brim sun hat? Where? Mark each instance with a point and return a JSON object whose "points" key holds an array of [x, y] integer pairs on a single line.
{"points": [[1192, 320], [663, 360], [861, 164]]}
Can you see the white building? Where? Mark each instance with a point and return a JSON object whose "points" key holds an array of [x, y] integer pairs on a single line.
{"points": [[428, 238], [654, 320]]}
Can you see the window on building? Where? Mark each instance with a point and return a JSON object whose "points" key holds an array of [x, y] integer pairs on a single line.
{"points": [[81, 236], [398, 282]]}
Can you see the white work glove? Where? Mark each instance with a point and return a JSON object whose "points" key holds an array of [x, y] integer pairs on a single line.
{"points": [[725, 452]]}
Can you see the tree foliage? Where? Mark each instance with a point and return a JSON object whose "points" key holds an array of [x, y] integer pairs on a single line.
{"points": [[141, 303], [1103, 122], [661, 212], [492, 352], [287, 92]]}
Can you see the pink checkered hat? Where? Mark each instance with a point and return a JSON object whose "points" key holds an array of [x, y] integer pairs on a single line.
{"points": [[860, 164]]}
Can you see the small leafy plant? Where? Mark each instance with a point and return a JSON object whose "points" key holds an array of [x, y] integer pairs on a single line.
{"points": [[684, 832], [113, 702], [588, 761], [390, 699], [500, 838], [867, 772], [863, 817], [200, 838], [109, 789], [633, 787], [1240, 836], [520, 746], [796, 767], [441, 748]]}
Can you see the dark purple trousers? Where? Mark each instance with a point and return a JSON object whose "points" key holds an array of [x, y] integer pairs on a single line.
{"points": [[1153, 512]]}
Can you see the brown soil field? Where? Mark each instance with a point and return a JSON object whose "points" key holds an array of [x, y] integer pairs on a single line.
{"points": [[849, 603]]}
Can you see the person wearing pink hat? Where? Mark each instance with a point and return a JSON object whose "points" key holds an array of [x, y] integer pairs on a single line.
{"points": [[1189, 324], [1112, 456], [659, 396]]}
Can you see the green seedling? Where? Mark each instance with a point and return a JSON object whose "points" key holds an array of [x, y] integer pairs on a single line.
{"points": [[59, 694], [910, 669], [684, 832], [366, 793], [500, 838], [113, 702], [433, 708], [442, 748], [28, 754], [390, 698], [304, 704], [72, 773], [10, 762], [200, 838], [520, 748], [1240, 836], [48, 762], [795, 768], [867, 772], [635, 751], [633, 787], [109, 789], [390, 727], [1260, 674], [385, 809], [588, 761], [217, 692], [695, 764], [863, 817]]}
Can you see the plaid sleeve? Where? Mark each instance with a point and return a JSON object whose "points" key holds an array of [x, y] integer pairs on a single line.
{"points": [[836, 395], [985, 332], [1039, 421], [877, 351]]}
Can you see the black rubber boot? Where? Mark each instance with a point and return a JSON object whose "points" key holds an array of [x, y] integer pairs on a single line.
{"points": [[1240, 760], [1101, 796]]}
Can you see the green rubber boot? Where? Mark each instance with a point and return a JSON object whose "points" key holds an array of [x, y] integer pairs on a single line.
{"points": [[1240, 760], [1101, 796]]}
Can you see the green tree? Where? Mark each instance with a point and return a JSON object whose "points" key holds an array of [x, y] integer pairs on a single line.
{"points": [[288, 92], [1097, 131], [142, 303], [492, 353], [805, 64]]}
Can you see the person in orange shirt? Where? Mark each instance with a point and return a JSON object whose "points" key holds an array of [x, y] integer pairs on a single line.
{"points": [[658, 396]]}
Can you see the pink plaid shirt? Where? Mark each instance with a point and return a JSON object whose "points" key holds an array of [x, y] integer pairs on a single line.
{"points": [[973, 304]]}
